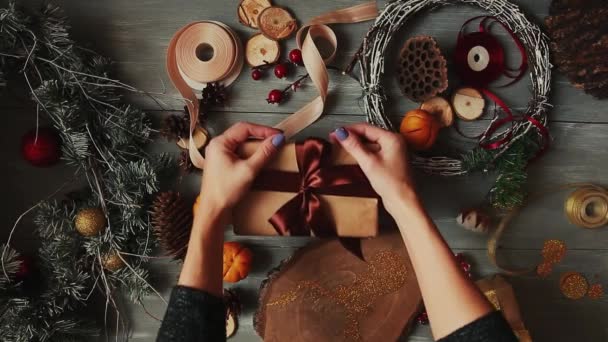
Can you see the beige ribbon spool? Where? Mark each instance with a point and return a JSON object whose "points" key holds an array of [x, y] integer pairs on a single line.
{"points": [[586, 207], [186, 70], [189, 70]]}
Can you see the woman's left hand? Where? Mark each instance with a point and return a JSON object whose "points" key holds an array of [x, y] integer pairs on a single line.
{"points": [[227, 177]]}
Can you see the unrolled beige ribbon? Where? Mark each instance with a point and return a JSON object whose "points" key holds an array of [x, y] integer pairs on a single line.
{"points": [[315, 64], [575, 209], [187, 71]]}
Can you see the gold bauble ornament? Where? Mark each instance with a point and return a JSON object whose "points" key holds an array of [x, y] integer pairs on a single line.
{"points": [[112, 262], [90, 221]]}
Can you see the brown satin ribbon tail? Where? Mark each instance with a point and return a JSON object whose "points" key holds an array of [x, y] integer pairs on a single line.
{"points": [[353, 246]]}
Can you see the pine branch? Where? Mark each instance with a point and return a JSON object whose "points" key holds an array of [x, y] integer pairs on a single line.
{"points": [[106, 140], [509, 189], [477, 159], [137, 289], [11, 265], [12, 23], [54, 28]]}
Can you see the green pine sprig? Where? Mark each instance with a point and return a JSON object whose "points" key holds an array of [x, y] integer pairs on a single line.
{"points": [[510, 167], [105, 140]]}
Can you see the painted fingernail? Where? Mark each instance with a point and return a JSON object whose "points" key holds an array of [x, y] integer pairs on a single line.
{"points": [[341, 133], [278, 140]]}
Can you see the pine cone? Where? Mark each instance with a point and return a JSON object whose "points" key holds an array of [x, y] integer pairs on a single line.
{"points": [[214, 94], [176, 126], [561, 6], [579, 43], [172, 223]]}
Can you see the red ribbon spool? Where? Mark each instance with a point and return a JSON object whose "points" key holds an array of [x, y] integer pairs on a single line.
{"points": [[479, 58]]}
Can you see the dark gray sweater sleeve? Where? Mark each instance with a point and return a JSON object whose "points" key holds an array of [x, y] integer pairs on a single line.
{"points": [[195, 316], [490, 328]]}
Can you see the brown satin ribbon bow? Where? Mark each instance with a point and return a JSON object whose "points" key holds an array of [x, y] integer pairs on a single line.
{"points": [[303, 214]]}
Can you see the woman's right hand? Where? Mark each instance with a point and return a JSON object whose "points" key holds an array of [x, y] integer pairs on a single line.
{"points": [[382, 155], [386, 166]]}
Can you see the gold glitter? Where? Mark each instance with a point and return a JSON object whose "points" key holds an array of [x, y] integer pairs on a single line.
{"points": [[544, 269], [553, 251], [573, 285], [90, 221], [493, 298], [596, 291], [385, 273]]}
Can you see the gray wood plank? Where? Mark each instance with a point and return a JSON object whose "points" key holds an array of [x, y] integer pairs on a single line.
{"points": [[136, 35], [541, 302], [573, 157]]}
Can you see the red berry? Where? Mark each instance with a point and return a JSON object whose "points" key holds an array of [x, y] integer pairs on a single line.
{"points": [[280, 70], [460, 257], [256, 74], [41, 150], [422, 318], [275, 96], [295, 56]]}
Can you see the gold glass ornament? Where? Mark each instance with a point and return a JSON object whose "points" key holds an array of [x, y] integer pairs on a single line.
{"points": [[90, 221], [112, 262]]}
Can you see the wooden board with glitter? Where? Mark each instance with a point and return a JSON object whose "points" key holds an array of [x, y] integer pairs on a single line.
{"points": [[325, 293]]}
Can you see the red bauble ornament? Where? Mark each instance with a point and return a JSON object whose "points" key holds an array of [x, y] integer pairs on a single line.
{"points": [[25, 268], [256, 74], [295, 56], [275, 96], [43, 150], [280, 70]]}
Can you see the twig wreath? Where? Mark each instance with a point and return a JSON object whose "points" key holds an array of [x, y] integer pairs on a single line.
{"points": [[523, 131]]}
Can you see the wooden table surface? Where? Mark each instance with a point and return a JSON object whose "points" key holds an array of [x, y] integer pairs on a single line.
{"points": [[136, 33]]}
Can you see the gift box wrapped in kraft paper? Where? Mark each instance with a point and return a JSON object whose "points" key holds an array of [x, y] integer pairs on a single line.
{"points": [[500, 293], [310, 188]]}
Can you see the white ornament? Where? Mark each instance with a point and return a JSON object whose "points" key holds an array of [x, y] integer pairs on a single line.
{"points": [[474, 220]]}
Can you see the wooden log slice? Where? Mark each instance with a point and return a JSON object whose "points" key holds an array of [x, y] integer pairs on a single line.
{"points": [[468, 104], [249, 11], [276, 23], [324, 293], [260, 50], [439, 108]]}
